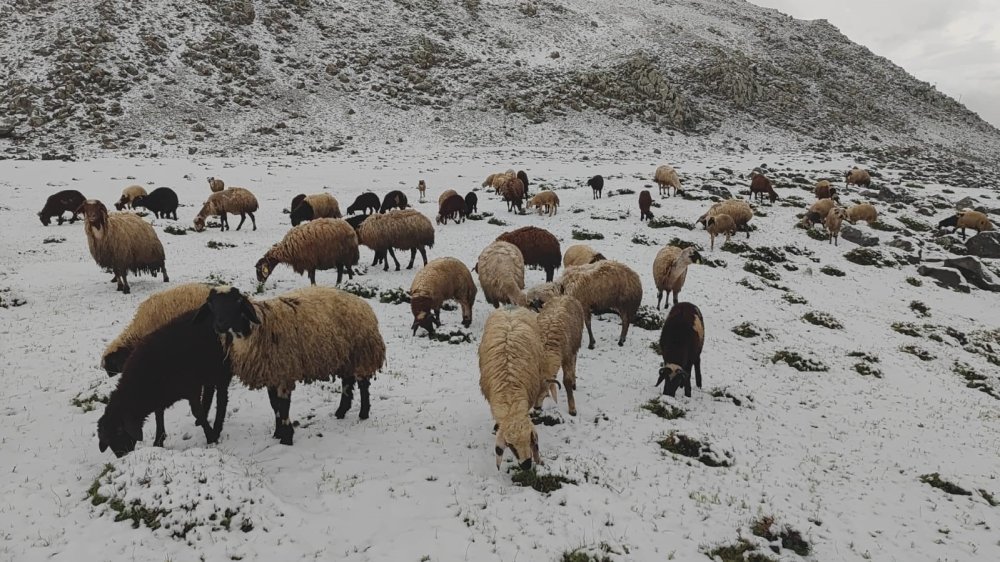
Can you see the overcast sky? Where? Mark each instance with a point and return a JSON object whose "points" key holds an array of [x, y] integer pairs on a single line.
{"points": [[954, 44]]}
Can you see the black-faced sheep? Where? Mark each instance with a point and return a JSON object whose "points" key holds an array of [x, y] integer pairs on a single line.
{"points": [[545, 201], [310, 207], [760, 186], [737, 209], [561, 320], [128, 196], [670, 271], [317, 245], [441, 280], [581, 254], [720, 223], [596, 184], [501, 274], [833, 222], [68, 200], [216, 184], [471, 202], [364, 202], [862, 212], [393, 200], [603, 286], [162, 202], [400, 230], [967, 218], [452, 208], [681, 342], [645, 202], [122, 243], [666, 177], [538, 246], [524, 180], [233, 200], [858, 177]]}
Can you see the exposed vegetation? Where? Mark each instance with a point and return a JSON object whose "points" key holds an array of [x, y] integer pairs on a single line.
{"points": [[934, 479], [799, 363], [689, 447], [822, 319]]}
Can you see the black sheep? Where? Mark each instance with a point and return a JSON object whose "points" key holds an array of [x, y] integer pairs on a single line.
{"points": [[162, 202], [356, 221], [59, 203], [471, 203], [596, 183], [393, 200], [524, 179], [452, 208], [364, 202], [178, 361], [681, 341]]}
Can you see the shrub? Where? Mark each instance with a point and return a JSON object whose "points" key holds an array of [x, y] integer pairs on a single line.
{"points": [[216, 245], [394, 296], [914, 281], [746, 330], [867, 256], [544, 483], [790, 538], [175, 230], [684, 244], [934, 479], [762, 270], [920, 353], [648, 318], [665, 411], [359, 290], [799, 363], [666, 222], [643, 240], [920, 309], [914, 224], [794, 298], [496, 221], [583, 234], [689, 447], [822, 319], [735, 247], [831, 271]]}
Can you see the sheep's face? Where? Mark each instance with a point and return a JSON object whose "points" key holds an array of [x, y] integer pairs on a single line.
{"points": [[231, 312], [425, 320], [118, 433], [44, 218], [94, 212], [264, 268], [522, 440], [114, 362], [672, 376]]}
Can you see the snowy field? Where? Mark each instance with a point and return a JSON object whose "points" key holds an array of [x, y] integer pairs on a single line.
{"points": [[834, 455]]}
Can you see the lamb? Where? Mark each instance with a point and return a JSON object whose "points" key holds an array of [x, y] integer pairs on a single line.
{"points": [[681, 342], [311, 207], [122, 243], [862, 212], [233, 200], [216, 184], [501, 274], [513, 193], [511, 378], [760, 185], [452, 208], [162, 202], [176, 361], [720, 224], [59, 203], [561, 321], [400, 230], [471, 203], [547, 200], [128, 196], [581, 254], [524, 180], [363, 203], [596, 184], [670, 271], [738, 209], [393, 200], [538, 246], [666, 177], [825, 191], [602, 286], [317, 245], [833, 222], [817, 212], [422, 189], [443, 279], [858, 177], [305, 335], [645, 202], [445, 195], [967, 218]]}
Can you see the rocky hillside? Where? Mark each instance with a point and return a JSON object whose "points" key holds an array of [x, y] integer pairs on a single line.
{"points": [[200, 76]]}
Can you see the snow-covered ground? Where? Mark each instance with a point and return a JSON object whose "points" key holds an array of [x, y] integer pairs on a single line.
{"points": [[835, 455]]}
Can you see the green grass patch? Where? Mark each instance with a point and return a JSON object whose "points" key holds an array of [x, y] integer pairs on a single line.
{"points": [[359, 290], [643, 240], [540, 418], [175, 230], [746, 330], [648, 318], [867, 256], [583, 234], [684, 244], [907, 329], [685, 446], [767, 255], [867, 370], [745, 282], [798, 362], [216, 245], [822, 319], [740, 551], [817, 234], [454, 337], [973, 379], [54, 240], [665, 411], [918, 352], [934, 479], [475, 217], [794, 298], [883, 226], [988, 497], [723, 393], [580, 555], [735, 247], [496, 221], [544, 483], [831, 271], [88, 402], [761, 270], [914, 281], [666, 222], [394, 296], [914, 224], [921, 309], [790, 538]]}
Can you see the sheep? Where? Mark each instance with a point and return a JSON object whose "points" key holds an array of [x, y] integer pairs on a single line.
{"points": [[162, 202], [825, 191], [501, 274], [511, 378], [858, 177], [59, 203], [670, 271], [543, 292], [122, 243], [666, 177], [471, 203], [305, 335], [441, 280], [681, 342], [737, 209], [561, 322], [445, 195], [497, 181], [602, 286], [862, 212], [393, 200], [216, 184], [524, 180], [538, 246], [422, 189], [317, 245], [967, 218], [128, 196], [356, 221], [452, 208], [645, 202], [761, 185], [400, 230], [581, 254], [363, 203], [547, 200], [513, 193], [488, 182], [833, 221], [178, 360], [311, 207], [817, 212], [720, 224], [154, 312], [233, 200], [596, 184]]}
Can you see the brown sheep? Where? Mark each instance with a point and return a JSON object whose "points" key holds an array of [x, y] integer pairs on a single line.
{"points": [[858, 177], [833, 222], [967, 218], [760, 186], [862, 212], [825, 191], [645, 202], [817, 212], [681, 342], [538, 246]]}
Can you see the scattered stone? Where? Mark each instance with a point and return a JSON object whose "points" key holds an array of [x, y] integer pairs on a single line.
{"points": [[984, 245], [947, 278], [852, 234], [974, 272]]}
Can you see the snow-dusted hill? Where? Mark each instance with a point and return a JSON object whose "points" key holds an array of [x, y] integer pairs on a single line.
{"points": [[836, 455]]}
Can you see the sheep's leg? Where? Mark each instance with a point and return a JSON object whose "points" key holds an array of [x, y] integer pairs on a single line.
{"points": [[272, 395], [676, 291], [366, 405], [243, 219], [697, 371], [711, 239], [199, 414], [625, 324], [687, 385], [375, 260], [253, 220], [423, 254], [466, 314], [123, 283], [340, 273], [659, 298], [163, 268], [549, 273], [393, 254], [413, 257], [312, 276], [590, 332], [223, 222], [569, 383], [346, 396], [161, 431], [221, 404], [285, 404]]}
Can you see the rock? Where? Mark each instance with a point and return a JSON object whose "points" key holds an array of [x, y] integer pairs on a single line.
{"points": [[890, 195], [974, 272], [947, 278], [717, 191], [900, 243], [984, 244], [852, 234], [965, 202], [7, 129]]}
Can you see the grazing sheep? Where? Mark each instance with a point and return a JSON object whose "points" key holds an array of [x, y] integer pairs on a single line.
{"points": [[401, 230], [488, 182], [524, 180], [596, 184], [122, 243], [720, 224], [311, 207], [363, 203], [59, 203], [602, 286], [681, 342], [670, 271], [538, 246], [825, 191], [162, 202], [581, 254], [356, 221], [317, 245], [128, 196], [545, 200], [452, 208], [862, 212], [645, 202], [233, 200], [216, 184], [737, 209], [422, 189], [441, 280], [305, 335], [471, 203], [666, 177], [817, 212], [499, 180], [967, 218], [446, 194], [501, 274], [561, 322], [543, 292], [511, 378], [393, 200], [176, 361], [513, 193], [760, 185], [858, 177], [833, 222]]}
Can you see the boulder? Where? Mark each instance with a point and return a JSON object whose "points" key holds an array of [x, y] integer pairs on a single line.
{"points": [[900, 243], [984, 244], [947, 278], [890, 195], [856, 235], [964, 203], [974, 272]]}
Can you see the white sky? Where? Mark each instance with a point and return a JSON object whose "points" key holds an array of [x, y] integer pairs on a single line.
{"points": [[954, 44]]}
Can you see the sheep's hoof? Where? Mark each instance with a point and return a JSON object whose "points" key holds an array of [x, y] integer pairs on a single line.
{"points": [[572, 413], [363, 415], [340, 414], [286, 440], [591, 346], [621, 344]]}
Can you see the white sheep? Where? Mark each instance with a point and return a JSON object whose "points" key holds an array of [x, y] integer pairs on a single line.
{"points": [[441, 280], [561, 320], [129, 195], [122, 243], [501, 274], [862, 212], [406, 229], [720, 224], [739, 210], [666, 177], [545, 200], [602, 286], [833, 222], [581, 254], [670, 271], [317, 245]]}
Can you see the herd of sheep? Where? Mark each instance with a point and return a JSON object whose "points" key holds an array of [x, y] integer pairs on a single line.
{"points": [[319, 333]]}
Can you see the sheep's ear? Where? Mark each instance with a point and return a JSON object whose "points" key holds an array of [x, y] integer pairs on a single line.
{"points": [[501, 445], [133, 429], [203, 313], [248, 310]]}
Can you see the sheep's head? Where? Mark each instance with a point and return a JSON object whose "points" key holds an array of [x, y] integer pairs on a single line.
{"points": [[44, 218], [950, 221], [302, 212], [521, 438], [772, 196], [672, 377], [691, 255], [264, 267], [119, 432], [139, 201], [94, 213], [114, 362], [231, 312], [423, 315]]}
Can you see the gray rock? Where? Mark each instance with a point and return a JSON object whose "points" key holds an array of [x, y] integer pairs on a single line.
{"points": [[974, 272], [900, 243], [852, 234], [947, 278], [718, 191], [984, 244], [964, 203], [890, 195]]}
